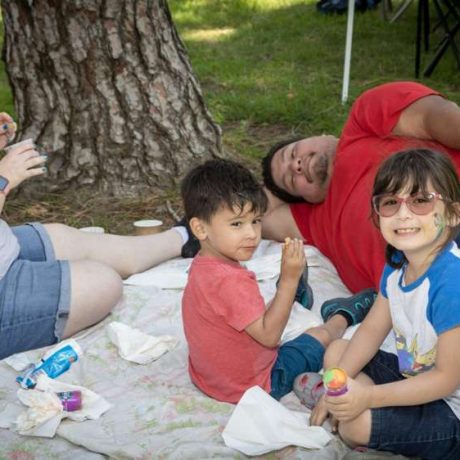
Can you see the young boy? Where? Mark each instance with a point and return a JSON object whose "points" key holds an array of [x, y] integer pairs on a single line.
{"points": [[233, 337]]}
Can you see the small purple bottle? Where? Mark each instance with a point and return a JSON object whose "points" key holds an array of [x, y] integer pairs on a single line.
{"points": [[71, 400]]}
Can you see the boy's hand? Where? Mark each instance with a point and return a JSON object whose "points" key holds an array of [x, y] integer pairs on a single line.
{"points": [[292, 260]]}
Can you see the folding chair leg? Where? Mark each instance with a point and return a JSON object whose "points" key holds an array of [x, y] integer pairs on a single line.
{"points": [[449, 37], [443, 46], [400, 11]]}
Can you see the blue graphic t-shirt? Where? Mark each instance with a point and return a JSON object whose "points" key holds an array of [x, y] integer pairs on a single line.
{"points": [[422, 310]]}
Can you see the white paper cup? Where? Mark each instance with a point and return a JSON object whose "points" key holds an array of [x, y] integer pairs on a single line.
{"points": [[92, 229], [27, 144], [147, 227]]}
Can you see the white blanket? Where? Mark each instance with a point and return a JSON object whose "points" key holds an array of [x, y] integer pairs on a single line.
{"points": [[157, 411]]}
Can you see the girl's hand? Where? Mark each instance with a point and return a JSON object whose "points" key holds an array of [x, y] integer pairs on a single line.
{"points": [[348, 406], [292, 260], [319, 414], [7, 129], [21, 163]]}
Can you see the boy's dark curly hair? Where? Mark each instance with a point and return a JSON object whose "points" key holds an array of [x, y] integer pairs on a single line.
{"points": [[218, 183]]}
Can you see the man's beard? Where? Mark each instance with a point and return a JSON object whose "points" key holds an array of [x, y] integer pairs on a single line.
{"points": [[321, 168]]}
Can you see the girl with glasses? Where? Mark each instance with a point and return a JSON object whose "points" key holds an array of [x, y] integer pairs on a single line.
{"points": [[407, 402]]}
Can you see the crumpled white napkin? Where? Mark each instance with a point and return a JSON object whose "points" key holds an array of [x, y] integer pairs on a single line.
{"points": [[260, 424], [43, 416], [138, 347], [18, 362], [45, 412]]}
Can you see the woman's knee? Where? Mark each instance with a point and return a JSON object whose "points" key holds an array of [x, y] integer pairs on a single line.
{"points": [[95, 290], [105, 284], [334, 352]]}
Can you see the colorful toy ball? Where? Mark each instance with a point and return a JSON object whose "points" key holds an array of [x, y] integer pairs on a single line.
{"points": [[335, 381]]}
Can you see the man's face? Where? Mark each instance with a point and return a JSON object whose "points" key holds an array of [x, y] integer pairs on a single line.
{"points": [[304, 168]]}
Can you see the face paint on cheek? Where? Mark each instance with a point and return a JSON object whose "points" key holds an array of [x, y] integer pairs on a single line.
{"points": [[439, 224]]}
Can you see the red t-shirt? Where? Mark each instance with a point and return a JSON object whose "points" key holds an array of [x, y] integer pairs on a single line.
{"points": [[220, 300], [341, 227]]}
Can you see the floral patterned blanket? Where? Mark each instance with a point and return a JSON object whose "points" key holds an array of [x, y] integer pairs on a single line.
{"points": [[157, 412]]}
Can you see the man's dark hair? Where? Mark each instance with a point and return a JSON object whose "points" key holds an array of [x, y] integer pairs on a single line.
{"points": [[268, 176], [417, 167], [219, 183]]}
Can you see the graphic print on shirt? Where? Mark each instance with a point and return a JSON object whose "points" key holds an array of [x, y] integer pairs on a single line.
{"points": [[411, 360]]}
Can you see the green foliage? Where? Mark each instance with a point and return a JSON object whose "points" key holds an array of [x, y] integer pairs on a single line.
{"points": [[269, 69], [6, 98], [279, 63]]}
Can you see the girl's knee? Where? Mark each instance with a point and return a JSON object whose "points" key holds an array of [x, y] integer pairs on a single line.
{"points": [[334, 352], [357, 432]]}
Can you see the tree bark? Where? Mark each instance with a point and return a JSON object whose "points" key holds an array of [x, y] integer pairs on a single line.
{"points": [[106, 88]]}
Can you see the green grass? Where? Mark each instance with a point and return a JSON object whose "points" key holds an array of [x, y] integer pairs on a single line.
{"points": [[269, 69], [279, 64]]}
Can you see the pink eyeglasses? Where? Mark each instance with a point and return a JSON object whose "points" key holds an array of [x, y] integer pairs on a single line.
{"points": [[420, 203]]}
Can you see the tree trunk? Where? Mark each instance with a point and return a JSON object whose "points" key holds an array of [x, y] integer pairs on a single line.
{"points": [[106, 88]]}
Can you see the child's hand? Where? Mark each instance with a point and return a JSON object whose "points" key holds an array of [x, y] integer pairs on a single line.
{"points": [[7, 129], [348, 406], [292, 260], [319, 413]]}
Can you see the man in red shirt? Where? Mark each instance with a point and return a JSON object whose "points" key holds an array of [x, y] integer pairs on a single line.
{"points": [[321, 186]]}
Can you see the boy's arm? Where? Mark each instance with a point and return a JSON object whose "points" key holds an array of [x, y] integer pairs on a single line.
{"points": [[268, 329]]}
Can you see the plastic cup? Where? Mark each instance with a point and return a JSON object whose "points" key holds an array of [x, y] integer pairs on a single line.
{"points": [[27, 144], [147, 227], [92, 229]]}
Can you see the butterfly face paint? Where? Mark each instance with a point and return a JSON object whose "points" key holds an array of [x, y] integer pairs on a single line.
{"points": [[439, 223]]}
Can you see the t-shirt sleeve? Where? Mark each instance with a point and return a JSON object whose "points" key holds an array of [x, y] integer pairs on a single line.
{"points": [[384, 280], [241, 302], [377, 111], [9, 247], [444, 310]]}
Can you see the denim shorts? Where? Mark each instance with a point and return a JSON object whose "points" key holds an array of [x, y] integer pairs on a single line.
{"points": [[34, 294], [429, 431], [303, 354]]}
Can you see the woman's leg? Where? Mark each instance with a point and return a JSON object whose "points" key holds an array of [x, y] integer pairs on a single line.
{"points": [[95, 290], [125, 254]]}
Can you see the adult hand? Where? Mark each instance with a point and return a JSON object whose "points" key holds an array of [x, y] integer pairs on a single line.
{"points": [[20, 164], [292, 260], [7, 129], [348, 406]]}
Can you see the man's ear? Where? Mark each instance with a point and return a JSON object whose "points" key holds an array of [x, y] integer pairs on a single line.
{"points": [[198, 228]]}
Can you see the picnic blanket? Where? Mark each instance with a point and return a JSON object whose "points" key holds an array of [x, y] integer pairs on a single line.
{"points": [[156, 411]]}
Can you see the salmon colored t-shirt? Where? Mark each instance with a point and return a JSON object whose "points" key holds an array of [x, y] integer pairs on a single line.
{"points": [[220, 300], [341, 227]]}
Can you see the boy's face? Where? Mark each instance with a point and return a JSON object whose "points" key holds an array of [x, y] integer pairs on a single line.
{"points": [[231, 234]]}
